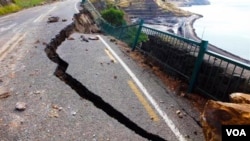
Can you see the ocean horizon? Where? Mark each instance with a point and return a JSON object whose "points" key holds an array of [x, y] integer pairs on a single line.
{"points": [[225, 25]]}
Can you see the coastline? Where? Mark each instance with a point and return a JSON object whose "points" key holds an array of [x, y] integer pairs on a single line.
{"points": [[190, 31]]}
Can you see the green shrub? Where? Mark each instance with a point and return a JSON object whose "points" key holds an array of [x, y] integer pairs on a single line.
{"points": [[18, 5], [113, 16], [9, 9], [142, 37], [28, 3]]}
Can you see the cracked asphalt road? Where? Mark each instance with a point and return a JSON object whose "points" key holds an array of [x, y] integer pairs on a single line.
{"points": [[97, 98]]}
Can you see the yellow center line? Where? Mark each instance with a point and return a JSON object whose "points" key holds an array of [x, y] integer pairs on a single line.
{"points": [[110, 55], [9, 46], [143, 101]]}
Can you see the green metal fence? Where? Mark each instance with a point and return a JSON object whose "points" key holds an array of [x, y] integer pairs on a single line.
{"points": [[175, 53], [207, 72], [219, 76], [126, 33]]}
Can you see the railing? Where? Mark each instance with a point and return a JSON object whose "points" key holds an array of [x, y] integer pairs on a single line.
{"points": [[125, 33], [220, 76], [207, 72], [174, 52]]}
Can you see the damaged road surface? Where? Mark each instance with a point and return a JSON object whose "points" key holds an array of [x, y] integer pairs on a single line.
{"points": [[79, 88]]}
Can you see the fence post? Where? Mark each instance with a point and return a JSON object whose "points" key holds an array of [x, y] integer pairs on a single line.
{"points": [[198, 62], [137, 35]]}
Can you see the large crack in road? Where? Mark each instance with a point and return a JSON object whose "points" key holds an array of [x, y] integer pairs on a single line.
{"points": [[79, 88]]}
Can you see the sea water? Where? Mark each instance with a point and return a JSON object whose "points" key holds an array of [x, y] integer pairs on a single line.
{"points": [[225, 24]]}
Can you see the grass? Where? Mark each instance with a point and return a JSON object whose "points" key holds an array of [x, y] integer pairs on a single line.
{"points": [[9, 9], [28, 3], [18, 5]]}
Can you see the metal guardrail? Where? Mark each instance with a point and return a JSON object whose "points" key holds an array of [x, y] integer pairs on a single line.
{"points": [[174, 52], [219, 76], [210, 73]]}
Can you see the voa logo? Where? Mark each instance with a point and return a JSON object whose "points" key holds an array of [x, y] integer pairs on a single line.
{"points": [[236, 132]]}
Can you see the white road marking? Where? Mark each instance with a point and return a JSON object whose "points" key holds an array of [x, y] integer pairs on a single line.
{"points": [[43, 15], [8, 27], [167, 120], [76, 7]]}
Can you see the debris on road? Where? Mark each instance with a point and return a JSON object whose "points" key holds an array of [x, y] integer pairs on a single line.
{"points": [[71, 38], [94, 38], [21, 106], [84, 38], [73, 113], [37, 92], [180, 115], [44, 43], [54, 113], [53, 19], [4, 93], [57, 107], [112, 40], [64, 20], [37, 42]]}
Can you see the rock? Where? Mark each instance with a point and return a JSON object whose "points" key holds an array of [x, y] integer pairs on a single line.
{"points": [[84, 38], [73, 113], [240, 98], [53, 19], [94, 38], [180, 115], [64, 20], [218, 113], [37, 92], [53, 113], [71, 38], [178, 112], [4, 93], [113, 40], [45, 44], [37, 42], [183, 94], [21, 106]]}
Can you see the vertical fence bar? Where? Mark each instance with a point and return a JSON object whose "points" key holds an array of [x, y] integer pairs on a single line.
{"points": [[203, 48], [137, 35]]}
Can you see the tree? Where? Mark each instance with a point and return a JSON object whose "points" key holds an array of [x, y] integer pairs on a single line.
{"points": [[113, 16]]}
